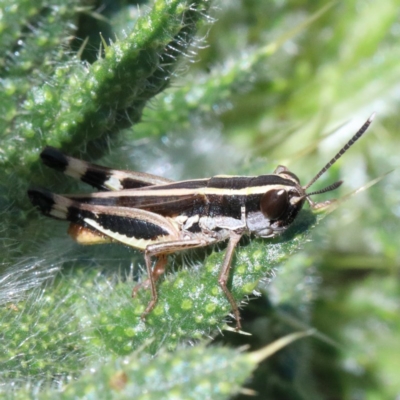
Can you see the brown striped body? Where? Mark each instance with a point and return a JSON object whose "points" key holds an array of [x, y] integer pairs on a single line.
{"points": [[159, 216]]}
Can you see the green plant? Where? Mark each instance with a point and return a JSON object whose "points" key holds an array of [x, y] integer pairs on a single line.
{"points": [[274, 76]]}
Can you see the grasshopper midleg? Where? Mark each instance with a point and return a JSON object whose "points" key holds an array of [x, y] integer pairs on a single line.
{"points": [[160, 251], [160, 217], [157, 271]]}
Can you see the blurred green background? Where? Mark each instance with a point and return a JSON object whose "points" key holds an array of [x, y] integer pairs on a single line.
{"points": [[264, 83]]}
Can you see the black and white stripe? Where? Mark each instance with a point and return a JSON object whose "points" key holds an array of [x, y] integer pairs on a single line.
{"points": [[136, 228], [100, 177], [220, 195]]}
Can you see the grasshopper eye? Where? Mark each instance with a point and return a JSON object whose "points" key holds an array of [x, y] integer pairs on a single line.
{"points": [[274, 203]]}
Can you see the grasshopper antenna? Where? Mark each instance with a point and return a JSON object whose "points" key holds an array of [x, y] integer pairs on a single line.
{"points": [[343, 150], [327, 189]]}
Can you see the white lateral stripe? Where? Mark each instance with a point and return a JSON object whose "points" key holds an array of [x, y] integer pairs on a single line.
{"points": [[130, 241], [189, 192]]}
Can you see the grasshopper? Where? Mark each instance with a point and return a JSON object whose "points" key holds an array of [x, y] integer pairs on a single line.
{"points": [[160, 216]]}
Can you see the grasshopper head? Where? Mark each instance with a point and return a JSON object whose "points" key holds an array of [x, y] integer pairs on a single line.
{"points": [[279, 205], [281, 202]]}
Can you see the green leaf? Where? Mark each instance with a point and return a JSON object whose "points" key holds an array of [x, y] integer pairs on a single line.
{"points": [[250, 96]]}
